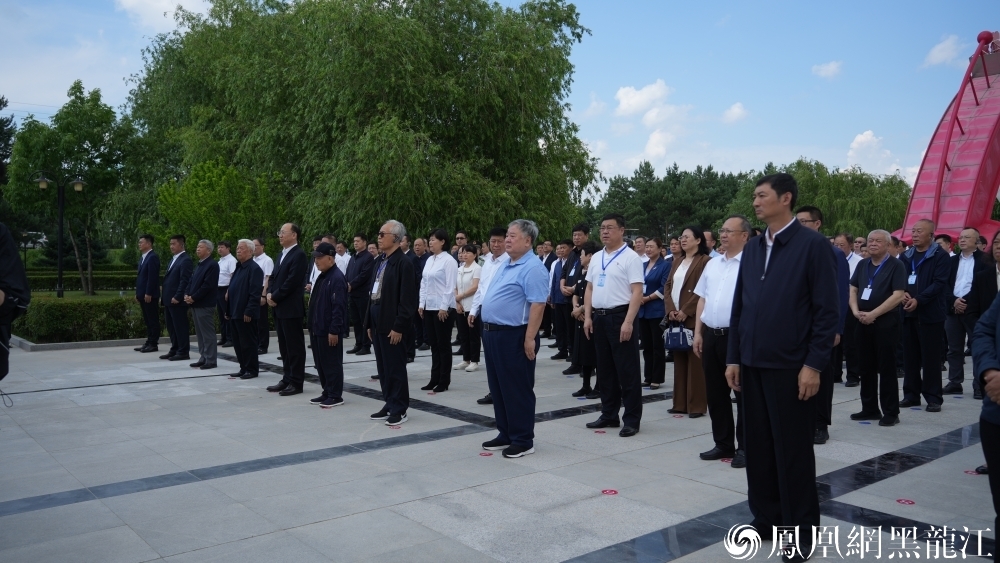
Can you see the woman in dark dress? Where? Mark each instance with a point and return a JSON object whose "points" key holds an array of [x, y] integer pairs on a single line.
{"points": [[584, 351]]}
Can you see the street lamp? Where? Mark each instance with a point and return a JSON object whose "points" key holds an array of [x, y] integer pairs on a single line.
{"points": [[43, 184]]}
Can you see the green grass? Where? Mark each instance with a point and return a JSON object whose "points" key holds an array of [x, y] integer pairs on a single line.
{"points": [[79, 296]]}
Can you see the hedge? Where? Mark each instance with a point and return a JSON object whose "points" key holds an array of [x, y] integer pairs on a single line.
{"points": [[71, 281], [102, 268]]}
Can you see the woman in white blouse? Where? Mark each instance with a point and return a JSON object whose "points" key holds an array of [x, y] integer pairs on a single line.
{"points": [[466, 285], [437, 297]]}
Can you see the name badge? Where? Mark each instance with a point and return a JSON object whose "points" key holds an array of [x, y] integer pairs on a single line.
{"points": [[572, 271], [866, 294], [600, 280], [374, 288], [912, 280]]}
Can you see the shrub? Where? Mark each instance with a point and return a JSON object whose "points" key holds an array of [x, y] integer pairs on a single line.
{"points": [[103, 281], [74, 320]]}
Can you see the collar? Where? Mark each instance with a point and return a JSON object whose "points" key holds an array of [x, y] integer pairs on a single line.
{"points": [[178, 254], [962, 256], [785, 233], [147, 252], [284, 250], [497, 259], [934, 247], [737, 258]]}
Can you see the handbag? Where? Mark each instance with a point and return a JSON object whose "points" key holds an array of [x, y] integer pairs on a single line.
{"points": [[676, 338]]}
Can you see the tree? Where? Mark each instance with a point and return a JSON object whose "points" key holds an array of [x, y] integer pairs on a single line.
{"points": [[82, 139], [438, 113], [7, 131]]}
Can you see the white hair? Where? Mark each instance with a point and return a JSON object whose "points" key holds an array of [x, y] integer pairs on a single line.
{"points": [[207, 243], [249, 244]]}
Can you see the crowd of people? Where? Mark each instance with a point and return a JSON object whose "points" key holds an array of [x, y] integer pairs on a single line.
{"points": [[769, 321]]}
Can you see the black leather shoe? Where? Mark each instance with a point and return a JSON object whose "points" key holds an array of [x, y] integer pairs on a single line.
{"points": [[821, 436], [696, 415], [983, 469], [553, 345], [363, 352], [248, 376], [227, 345], [354, 350], [179, 358], [220, 343], [198, 364], [139, 349], [167, 356], [888, 421], [907, 403], [676, 411], [423, 347], [595, 394], [148, 349], [290, 390], [977, 395], [572, 370], [852, 383], [933, 408], [237, 375], [582, 392], [739, 460], [952, 389], [559, 356], [429, 386], [867, 415], [458, 352], [487, 400], [628, 432], [456, 343], [440, 388], [279, 386], [604, 423], [715, 453], [209, 366], [410, 360], [261, 351]]}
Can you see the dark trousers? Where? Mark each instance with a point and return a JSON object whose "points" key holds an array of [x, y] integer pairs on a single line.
{"points": [[824, 396], [204, 328], [246, 339], [360, 337], [781, 467], [562, 326], [618, 366], [653, 354], [877, 343], [329, 363], [546, 321], [292, 345], [849, 340], [6, 320], [511, 377], [720, 408], [390, 360], [959, 328], [989, 436], [176, 317], [438, 335], [470, 337], [264, 329], [922, 342], [418, 331], [220, 306], [151, 317]]}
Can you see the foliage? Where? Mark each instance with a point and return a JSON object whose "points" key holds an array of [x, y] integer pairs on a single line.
{"points": [[73, 320], [7, 131], [112, 281], [445, 113], [852, 200]]}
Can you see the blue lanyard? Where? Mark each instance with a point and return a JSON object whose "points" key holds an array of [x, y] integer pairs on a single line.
{"points": [[604, 267], [381, 268], [917, 265], [871, 278]]}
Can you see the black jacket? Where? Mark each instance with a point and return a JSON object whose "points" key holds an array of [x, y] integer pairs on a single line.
{"points": [[399, 295], [931, 291], [175, 281], [203, 287], [359, 273], [148, 280], [287, 285], [328, 304], [13, 279], [979, 264], [984, 290], [244, 291], [787, 316]]}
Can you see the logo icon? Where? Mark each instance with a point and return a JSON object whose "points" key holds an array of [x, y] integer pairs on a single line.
{"points": [[742, 541]]}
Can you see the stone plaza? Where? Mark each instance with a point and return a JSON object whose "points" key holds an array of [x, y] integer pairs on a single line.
{"points": [[111, 456]]}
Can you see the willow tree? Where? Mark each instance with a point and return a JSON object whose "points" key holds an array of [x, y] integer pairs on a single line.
{"points": [[444, 113]]}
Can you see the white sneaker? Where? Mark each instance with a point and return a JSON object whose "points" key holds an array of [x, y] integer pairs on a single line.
{"points": [[461, 365], [473, 366]]}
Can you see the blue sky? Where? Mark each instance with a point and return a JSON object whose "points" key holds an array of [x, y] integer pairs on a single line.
{"points": [[732, 84]]}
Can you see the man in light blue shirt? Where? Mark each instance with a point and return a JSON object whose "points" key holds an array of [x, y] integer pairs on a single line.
{"points": [[512, 313]]}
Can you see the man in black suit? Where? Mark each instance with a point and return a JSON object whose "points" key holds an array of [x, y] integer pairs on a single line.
{"points": [[243, 307], [285, 295], [14, 293], [359, 274], [784, 321], [548, 257], [147, 293], [390, 308], [410, 338], [420, 250], [201, 297], [961, 320], [175, 283]]}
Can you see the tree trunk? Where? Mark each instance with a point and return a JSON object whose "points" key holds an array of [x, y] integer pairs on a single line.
{"points": [[79, 264], [90, 264]]}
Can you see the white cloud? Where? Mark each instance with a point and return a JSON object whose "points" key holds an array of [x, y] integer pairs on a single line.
{"points": [[632, 101], [664, 113], [735, 113], [827, 70], [596, 107], [657, 144], [868, 153], [945, 52], [158, 15]]}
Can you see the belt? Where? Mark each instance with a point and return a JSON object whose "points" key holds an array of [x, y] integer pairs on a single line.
{"points": [[490, 327], [611, 311], [717, 331]]}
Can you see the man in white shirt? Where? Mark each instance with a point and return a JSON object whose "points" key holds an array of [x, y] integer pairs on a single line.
{"points": [[342, 258], [639, 245], [715, 291], [961, 320], [710, 241], [267, 265], [227, 265], [497, 256], [614, 293], [313, 270], [848, 343]]}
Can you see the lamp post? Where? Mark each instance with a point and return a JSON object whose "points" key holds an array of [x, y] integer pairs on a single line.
{"points": [[43, 184]]}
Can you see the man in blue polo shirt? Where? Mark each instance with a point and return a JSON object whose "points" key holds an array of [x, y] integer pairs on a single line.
{"points": [[512, 313]]}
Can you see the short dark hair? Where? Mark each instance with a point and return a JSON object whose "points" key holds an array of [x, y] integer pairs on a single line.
{"points": [[895, 241], [147, 237], [462, 232], [297, 231], [318, 238], [362, 237], [616, 217], [982, 239], [225, 243], [582, 227], [179, 238], [405, 237], [546, 241], [656, 241], [847, 236], [498, 232], [259, 242], [442, 235], [469, 248], [700, 235], [943, 236], [812, 210], [590, 247], [782, 184], [566, 241]]}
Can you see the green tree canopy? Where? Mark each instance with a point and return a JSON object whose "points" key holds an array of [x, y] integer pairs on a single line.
{"points": [[445, 113]]}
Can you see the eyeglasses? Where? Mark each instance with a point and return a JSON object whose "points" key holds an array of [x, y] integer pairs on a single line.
{"points": [[279, 233], [381, 234], [730, 231], [808, 220], [607, 229]]}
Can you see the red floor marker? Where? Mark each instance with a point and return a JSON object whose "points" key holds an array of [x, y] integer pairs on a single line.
{"points": [[971, 472], [726, 460], [610, 492], [905, 501], [485, 454], [432, 393], [603, 432], [678, 416], [395, 427]]}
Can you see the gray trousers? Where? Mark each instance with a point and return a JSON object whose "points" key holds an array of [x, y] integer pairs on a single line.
{"points": [[204, 328], [957, 328]]}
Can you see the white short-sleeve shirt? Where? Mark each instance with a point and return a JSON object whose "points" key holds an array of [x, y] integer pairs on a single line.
{"points": [[620, 269]]}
